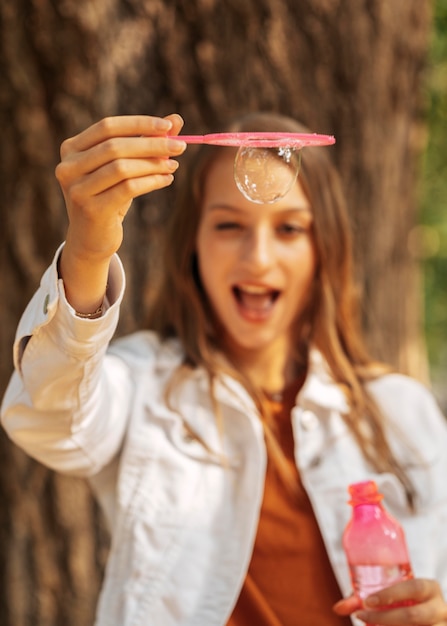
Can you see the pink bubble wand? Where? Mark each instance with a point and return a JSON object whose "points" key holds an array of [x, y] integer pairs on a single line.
{"points": [[259, 140]]}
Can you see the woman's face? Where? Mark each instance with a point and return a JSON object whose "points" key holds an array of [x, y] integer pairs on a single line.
{"points": [[256, 261]]}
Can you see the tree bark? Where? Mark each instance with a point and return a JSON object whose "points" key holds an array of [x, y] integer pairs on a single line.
{"points": [[352, 68]]}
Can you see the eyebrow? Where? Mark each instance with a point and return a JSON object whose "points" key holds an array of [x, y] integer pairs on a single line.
{"points": [[233, 209]]}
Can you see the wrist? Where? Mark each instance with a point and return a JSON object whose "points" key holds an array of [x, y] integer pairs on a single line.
{"points": [[94, 315], [85, 284]]}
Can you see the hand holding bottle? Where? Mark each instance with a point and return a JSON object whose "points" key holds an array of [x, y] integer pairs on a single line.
{"points": [[418, 601], [385, 590]]}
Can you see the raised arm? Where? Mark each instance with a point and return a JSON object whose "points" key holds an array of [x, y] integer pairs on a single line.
{"points": [[67, 403]]}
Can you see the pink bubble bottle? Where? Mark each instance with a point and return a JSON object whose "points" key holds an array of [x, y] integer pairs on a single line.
{"points": [[374, 543]]}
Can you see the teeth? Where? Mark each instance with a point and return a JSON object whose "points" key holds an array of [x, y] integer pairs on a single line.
{"points": [[254, 289]]}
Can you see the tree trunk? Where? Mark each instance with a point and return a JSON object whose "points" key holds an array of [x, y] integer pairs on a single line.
{"points": [[352, 68]]}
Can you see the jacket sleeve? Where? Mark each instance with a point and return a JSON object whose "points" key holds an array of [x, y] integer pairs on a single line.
{"points": [[67, 401]]}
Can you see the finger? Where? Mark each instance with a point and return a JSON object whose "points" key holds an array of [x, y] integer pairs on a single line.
{"points": [[123, 193], [116, 149], [422, 614], [346, 606], [119, 171], [415, 590], [177, 123], [116, 126], [416, 601], [118, 199]]}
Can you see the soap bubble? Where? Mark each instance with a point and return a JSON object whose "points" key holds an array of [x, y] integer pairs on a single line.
{"points": [[264, 175]]}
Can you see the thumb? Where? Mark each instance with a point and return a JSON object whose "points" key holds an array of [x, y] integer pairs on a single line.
{"points": [[348, 605]]}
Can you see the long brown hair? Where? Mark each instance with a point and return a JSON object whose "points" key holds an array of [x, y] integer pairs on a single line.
{"points": [[331, 321]]}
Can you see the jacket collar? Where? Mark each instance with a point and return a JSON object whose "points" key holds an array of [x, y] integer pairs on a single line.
{"points": [[319, 389]]}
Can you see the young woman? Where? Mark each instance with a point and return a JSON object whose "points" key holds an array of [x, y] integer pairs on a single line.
{"points": [[221, 442]]}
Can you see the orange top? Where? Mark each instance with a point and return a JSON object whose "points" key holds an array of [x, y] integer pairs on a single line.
{"points": [[290, 580]]}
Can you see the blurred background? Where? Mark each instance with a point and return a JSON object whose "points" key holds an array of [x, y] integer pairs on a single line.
{"points": [[431, 239], [371, 72]]}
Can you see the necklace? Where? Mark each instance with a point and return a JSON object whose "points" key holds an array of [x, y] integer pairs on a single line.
{"points": [[279, 395], [275, 396]]}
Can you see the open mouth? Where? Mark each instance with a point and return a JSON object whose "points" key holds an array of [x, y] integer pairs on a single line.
{"points": [[254, 299]]}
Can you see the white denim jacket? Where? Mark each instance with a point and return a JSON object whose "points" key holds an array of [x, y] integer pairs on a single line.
{"points": [[184, 515]]}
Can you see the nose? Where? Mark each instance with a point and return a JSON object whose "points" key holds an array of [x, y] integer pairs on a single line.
{"points": [[258, 250]]}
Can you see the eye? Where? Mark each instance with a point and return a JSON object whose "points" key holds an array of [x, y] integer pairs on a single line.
{"points": [[222, 226], [291, 228]]}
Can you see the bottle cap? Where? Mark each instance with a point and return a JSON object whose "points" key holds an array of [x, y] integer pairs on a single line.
{"points": [[364, 492]]}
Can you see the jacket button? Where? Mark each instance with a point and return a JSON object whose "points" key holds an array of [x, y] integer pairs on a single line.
{"points": [[309, 421]]}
